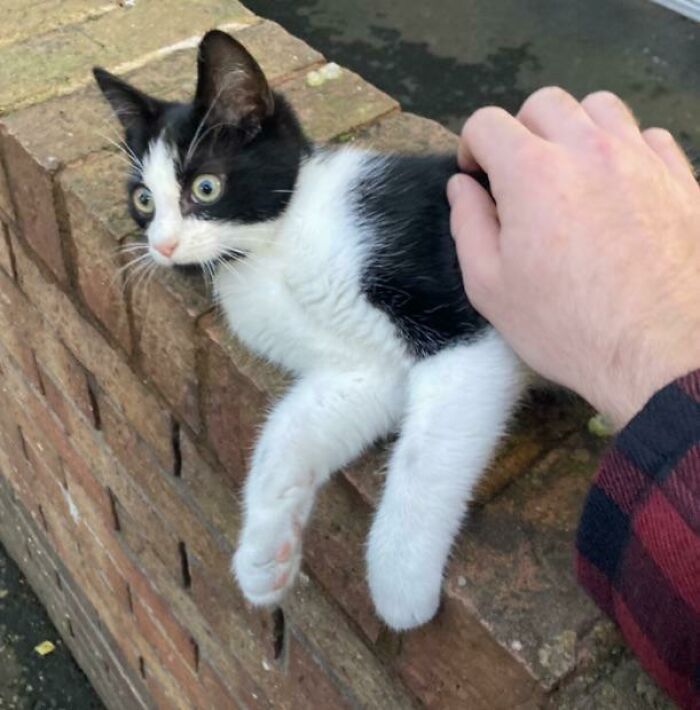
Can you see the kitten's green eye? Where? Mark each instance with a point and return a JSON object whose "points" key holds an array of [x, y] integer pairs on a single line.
{"points": [[206, 189], [143, 200]]}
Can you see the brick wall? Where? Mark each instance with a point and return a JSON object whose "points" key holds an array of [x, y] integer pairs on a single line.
{"points": [[128, 413]]}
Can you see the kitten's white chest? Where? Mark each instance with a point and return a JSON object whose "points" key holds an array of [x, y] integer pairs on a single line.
{"points": [[263, 313], [300, 302], [303, 316]]}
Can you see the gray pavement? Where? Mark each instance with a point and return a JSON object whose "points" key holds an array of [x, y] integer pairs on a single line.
{"points": [[445, 58], [29, 681]]}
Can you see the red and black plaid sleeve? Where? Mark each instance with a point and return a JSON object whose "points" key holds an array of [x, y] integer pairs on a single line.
{"points": [[638, 544]]}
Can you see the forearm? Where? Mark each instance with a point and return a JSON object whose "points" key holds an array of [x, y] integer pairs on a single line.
{"points": [[639, 537]]}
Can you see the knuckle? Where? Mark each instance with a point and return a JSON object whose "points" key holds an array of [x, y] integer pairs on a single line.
{"points": [[659, 135], [601, 145], [605, 99], [547, 95], [482, 116]]}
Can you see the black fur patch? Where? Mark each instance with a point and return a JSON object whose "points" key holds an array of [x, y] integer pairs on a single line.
{"points": [[258, 167], [413, 273]]}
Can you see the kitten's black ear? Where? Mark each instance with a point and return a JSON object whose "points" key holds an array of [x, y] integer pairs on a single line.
{"points": [[132, 107], [231, 86]]}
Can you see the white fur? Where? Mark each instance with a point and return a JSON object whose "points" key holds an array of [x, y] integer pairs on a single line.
{"points": [[296, 300]]}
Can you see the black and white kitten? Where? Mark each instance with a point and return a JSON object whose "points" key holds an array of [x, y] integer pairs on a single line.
{"points": [[336, 264]]}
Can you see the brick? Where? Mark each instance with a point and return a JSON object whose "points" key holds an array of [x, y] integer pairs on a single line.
{"points": [[117, 584], [334, 546], [31, 185], [168, 653], [209, 488], [7, 210], [63, 378], [57, 128], [22, 20], [54, 397], [310, 684], [279, 54], [143, 474], [87, 642], [356, 669], [230, 641], [17, 322], [453, 662], [619, 683], [78, 477], [42, 456], [232, 406], [244, 694], [143, 531], [6, 257], [264, 376], [59, 61], [95, 354], [368, 473], [544, 420], [215, 593], [512, 569], [165, 312], [96, 188], [337, 106], [405, 133]]}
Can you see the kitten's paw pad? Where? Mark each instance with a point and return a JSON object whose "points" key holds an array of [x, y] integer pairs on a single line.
{"points": [[265, 568]]}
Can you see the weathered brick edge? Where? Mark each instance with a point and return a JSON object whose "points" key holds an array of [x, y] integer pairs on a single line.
{"points": [[127, 415], [70, 611]]}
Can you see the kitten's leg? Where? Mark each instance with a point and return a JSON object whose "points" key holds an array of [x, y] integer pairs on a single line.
{"points": [[322, 424], [458, 404]]}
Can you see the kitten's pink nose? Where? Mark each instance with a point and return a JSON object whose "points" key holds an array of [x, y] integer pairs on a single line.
{"points": [[167, 247]]}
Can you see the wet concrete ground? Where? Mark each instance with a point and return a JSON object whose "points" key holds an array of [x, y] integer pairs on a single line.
{"points": [[29, 681], [443, 60]]}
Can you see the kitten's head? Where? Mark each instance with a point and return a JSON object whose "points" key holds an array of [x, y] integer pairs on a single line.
{"points": [[203, 172]]}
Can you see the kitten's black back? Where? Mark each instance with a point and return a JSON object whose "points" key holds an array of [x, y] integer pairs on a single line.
{"points": [[413, 274]]}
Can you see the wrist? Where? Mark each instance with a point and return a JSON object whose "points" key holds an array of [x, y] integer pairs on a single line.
{"points": [[625, 393]]}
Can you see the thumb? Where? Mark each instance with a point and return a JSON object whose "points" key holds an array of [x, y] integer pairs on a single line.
{"points": [[475, 229]]}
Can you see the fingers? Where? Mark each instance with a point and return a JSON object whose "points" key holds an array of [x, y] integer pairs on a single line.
{"points": [[555, 115], [489, 139], [475, 228], [611, 114], [665, 146]]}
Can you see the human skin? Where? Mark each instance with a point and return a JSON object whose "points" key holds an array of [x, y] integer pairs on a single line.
{"points": [[587, 259]]}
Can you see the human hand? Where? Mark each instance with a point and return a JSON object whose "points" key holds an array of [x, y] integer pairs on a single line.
{"points": [[588, 261]]}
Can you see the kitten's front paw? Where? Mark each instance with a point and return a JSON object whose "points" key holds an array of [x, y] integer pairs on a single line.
{"points": [[267, 562], [405, 585]]}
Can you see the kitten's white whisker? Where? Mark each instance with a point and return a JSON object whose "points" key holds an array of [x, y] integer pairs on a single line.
{"points": [[125, 154], [125, 150], [126, 267], [133, 275], [127, 248]]}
